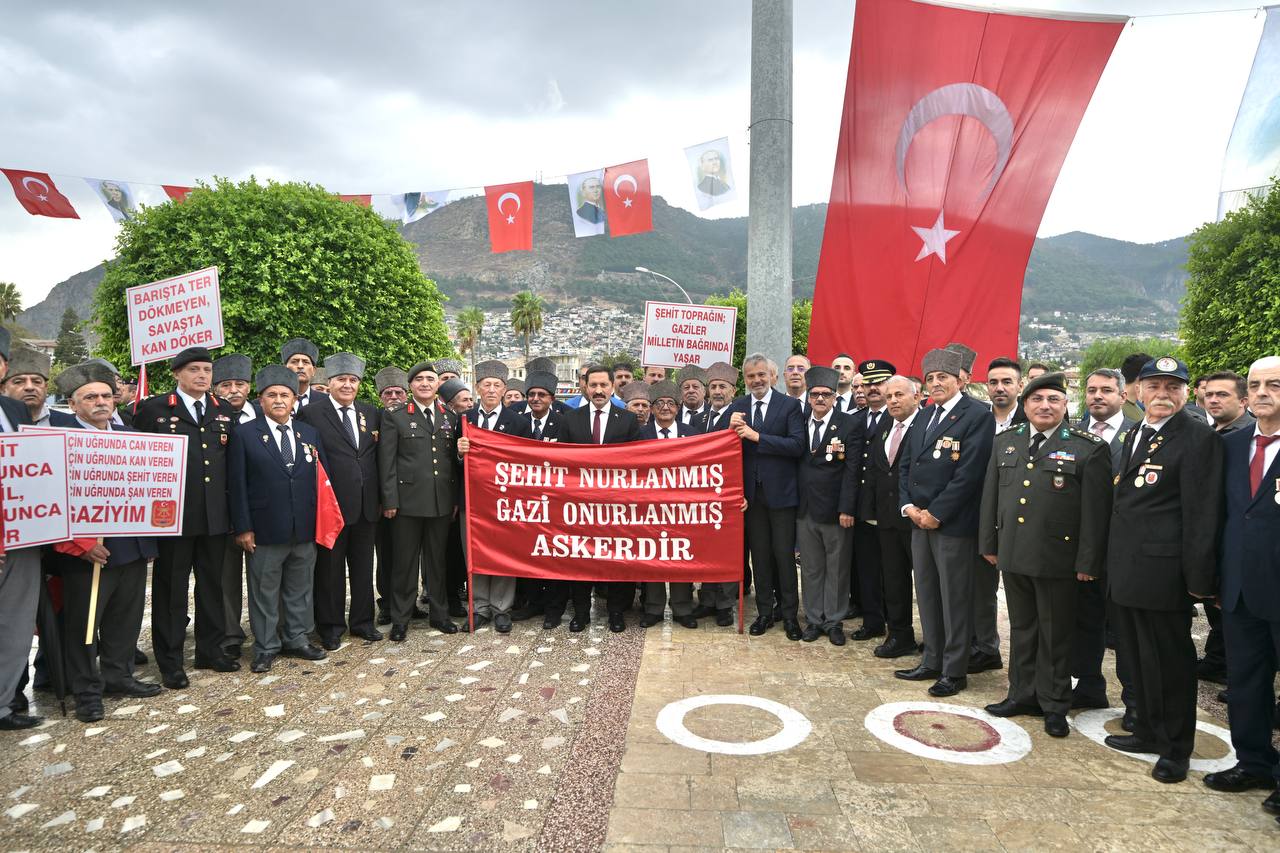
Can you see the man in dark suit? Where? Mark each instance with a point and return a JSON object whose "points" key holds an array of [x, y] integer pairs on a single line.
{"points": [[692, 384], [878, 505], [191, 410], [718, 599], [301, 356], [392, 385], [771, 426], [1249, 590], [1159, 558], [1045, 505], [940, 485], [421, 480], [457, 399], [866, 570], [600, 422], [272, 475], [232, 378], [349, 432]]}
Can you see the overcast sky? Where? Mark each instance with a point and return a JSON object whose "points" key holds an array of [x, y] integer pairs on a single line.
{"points": [[391, 96]]}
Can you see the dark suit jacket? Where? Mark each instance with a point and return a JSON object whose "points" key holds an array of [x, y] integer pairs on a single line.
{"points": [[650, 430], [823, 484], [277, 503], [1250, 557], [1162, 544], [773, 459], [353, 472], [61, 419], [313, 397], [552, 429], [699, 419], [878, 492], [620, 426], [1117, 441], [205, 513], [721, 422], [950, 488], [508, 421]]}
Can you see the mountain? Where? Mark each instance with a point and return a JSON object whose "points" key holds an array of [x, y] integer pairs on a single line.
{"points": [[1071, 273]]}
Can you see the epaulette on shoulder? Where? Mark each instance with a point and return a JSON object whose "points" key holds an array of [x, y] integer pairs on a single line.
{"points": [[1085, 434], [1022, 429]]}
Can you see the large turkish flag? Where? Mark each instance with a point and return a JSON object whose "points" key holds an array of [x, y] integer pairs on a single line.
{"points": [[38, 195], [628, 202], [510, 216], [955, 126]]}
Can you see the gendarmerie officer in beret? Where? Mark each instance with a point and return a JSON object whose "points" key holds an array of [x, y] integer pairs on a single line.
{"points": [[191, 410], [1045, 507], [232, 381], [301, 356], [421, 477], [1159, 558], [349, 431], [392, 385]]}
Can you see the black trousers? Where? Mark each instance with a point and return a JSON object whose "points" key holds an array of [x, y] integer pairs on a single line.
{"points": [[895, 571], [350, 558], [170, 579], [456, 561], [532, 593], [560, 592], [385, 562], [771, 537], [1253, 655], [1164, 668], [867, 558], [109, 660], [1089, 643], [1125, 660], [415, 537], [1215, 645]]}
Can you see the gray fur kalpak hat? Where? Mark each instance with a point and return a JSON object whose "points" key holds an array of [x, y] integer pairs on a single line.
{"points": [[276, 374], [492, 369], [945, 360], [296, 346], [344, 364], [73, 378], [232, 366]]}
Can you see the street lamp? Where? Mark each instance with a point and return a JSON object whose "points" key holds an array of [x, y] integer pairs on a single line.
{"points": [[668, 278]]}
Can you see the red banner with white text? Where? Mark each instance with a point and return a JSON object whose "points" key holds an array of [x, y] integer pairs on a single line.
{"points": [[643, 511]]}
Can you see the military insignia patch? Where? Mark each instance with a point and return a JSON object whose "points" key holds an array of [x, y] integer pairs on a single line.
{"points": [[1059, 481], [1166, 363]]}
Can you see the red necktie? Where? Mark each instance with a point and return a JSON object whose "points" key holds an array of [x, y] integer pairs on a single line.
{"points": [[896, 441], [1258, 464], [596, 431]]}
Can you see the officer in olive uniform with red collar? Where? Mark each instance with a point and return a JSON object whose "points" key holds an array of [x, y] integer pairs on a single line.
{"points": [[193, 411]]}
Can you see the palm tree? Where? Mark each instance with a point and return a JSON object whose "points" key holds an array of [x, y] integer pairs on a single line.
{"points": [[470, 329], [10, 301], [526, 317]]}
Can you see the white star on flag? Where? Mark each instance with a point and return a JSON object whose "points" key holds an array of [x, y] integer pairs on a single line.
{"points": [[626, 202], [511, 220], [935, 239]]}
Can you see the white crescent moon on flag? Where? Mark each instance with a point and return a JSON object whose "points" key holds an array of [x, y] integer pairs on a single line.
{"points": [[29, 180], [506, 196], [964, 99], [624, 179]]}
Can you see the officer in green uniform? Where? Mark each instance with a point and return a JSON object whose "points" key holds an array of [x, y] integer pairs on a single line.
{"points": [[1045, 508]]}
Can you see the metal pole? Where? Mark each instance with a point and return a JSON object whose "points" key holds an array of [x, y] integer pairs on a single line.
{"points": [[769, 219], [668, 278]]}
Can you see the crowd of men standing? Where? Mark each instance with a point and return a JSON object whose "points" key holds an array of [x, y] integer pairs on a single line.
{"points": [[889, 488]]}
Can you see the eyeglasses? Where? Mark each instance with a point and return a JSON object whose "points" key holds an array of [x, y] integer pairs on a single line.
{"points": [[820, 395], [664, 404], [795, 368]]}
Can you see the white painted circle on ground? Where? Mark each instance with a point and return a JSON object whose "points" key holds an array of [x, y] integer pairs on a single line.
{"points": [[795, 726], [1092, 724], [998, 741]]}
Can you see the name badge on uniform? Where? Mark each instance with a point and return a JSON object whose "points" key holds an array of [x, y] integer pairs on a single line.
{"points": [[1059, 481]]}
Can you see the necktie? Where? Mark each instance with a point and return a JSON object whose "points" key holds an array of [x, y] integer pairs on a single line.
{"points": [[1148, 433], [1036, 441], [872, 419], [1099, 428], [199, 411], [537, 430], [816, 441], [933, 421], [895, 441], [1258, 464], [757, 422], [486, 416], [352, 436], [666, 432], [597, 428], [286, 447], [430, 419], [839, 403]]}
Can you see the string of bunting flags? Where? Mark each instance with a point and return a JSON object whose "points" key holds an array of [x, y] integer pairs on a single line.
{"points": [[616, 200]]}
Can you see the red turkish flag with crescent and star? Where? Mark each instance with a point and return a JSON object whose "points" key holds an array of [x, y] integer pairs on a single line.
{"points": [[38, 195], [628, 201], [955, 126], [177, 193], [510, 216]]}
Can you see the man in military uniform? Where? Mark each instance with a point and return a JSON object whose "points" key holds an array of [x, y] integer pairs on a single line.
{"points": [[392, 385], [1157, 562], [1045, 505], [232, 374], [864, 565], [193, 411], [28, 382], [421, 481], [301, 356]]}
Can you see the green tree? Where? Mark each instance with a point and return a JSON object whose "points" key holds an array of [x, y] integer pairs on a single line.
{"points": [[70, 347], [470, 326], [1231, 313], [10, 301], [1111, 352], [801, 311], [293, 261], [526, 317]]}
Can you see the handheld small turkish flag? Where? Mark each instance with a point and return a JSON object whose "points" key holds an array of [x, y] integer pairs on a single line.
{"points": [[510, 216], [956, 123], [362, 200], [329, 522], [628, 202], [178, 194], [38, 195]]}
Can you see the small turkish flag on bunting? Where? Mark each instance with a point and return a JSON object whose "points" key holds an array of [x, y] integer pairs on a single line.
{"points": [[628, 202], [38, 195], [329, 521], [178, 194], [510, 216], [362, 200]]}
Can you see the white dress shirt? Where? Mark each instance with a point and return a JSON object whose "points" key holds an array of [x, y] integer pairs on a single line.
{"points": [[275, 434], [355, 427], [764, 410], [818, 425], [604, 419], [191, 404], [673, 430], [1272, 449]]}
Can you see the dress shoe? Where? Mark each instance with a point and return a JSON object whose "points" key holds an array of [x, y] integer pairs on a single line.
{"points": [[20, 704], [792, 629], [262, 662], [175, 680], [550, 623], [1170, 770], [648, 620], [223, 664], [617, 623], [895, 648], [1129, 721], [762, 624], [502, 623], [444, 626], [307, 652], [1272, 803], [983, 661], [16, 722], [854, 612], [1206, 671], [811, 633], [1128, 743], [724, 618], [948, 686], [371, 635], [577, 626], [865, 633], [836, 636], [477, 622], [398, 633], [1236, 779], [139, 657], [702, 611], [384, 618], [419, 613], [1055, 725], [329, 644], [919, 673], [1078, 701], [687, 622], [89, 708], [133, 689], [1011, 708]]}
